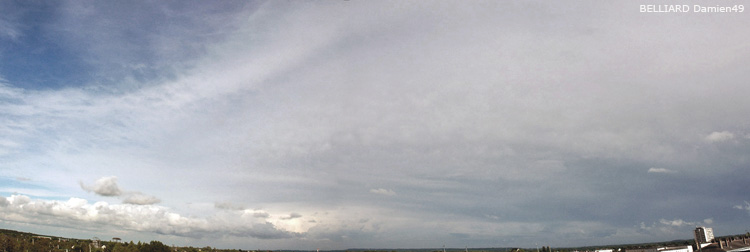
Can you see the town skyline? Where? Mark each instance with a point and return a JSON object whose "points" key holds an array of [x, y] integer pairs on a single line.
{"points": [[13, 240]]}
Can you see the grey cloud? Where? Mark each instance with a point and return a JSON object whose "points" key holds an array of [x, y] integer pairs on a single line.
{"points": [[3, 201], [292, 216], [534, 132], [460, 235], [19, 200], [261, 215], [722, 136], [265, 231], [228, 206], [140, 199], [105, 186]]}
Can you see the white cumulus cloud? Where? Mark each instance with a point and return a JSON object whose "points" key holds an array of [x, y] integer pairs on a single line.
{"points": [[150, 218], [722, 136], [105, 186]]}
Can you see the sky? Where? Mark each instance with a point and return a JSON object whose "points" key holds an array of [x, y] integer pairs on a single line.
{"points": [[373, 124]]}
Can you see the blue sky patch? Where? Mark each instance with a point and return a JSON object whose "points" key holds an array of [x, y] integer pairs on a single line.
{"points": [[32, 54]]}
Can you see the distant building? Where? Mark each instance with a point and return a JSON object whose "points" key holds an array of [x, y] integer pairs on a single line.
{"points": [[641, 250], [687, 248], [704, 235], [95, 242]]}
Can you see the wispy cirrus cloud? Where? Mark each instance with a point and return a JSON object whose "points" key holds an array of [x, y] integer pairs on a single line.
{"points": [[674, 226], [677, 222], [383, 191], [745, 207], [8, 30]]}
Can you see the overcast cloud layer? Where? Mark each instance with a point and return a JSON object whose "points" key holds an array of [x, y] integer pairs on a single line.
{"points": [[340, 124]]}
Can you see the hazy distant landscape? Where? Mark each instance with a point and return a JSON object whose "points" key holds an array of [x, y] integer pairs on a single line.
{"points": [[12, 241]]}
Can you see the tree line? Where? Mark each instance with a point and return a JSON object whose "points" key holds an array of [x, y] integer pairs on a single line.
{"points": [[14, 241], [26, 243]]}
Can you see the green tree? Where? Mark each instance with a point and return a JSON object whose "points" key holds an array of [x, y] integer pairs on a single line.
{"points": [[20, 245], [39, 245], [154, 246], [6, 244]]}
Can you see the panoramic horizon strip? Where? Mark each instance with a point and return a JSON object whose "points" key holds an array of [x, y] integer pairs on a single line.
{"points": [[374, 124]]}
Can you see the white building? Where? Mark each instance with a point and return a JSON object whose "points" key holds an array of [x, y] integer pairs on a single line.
{"points": [[642, 250], [704, 235], [686, 248]]}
